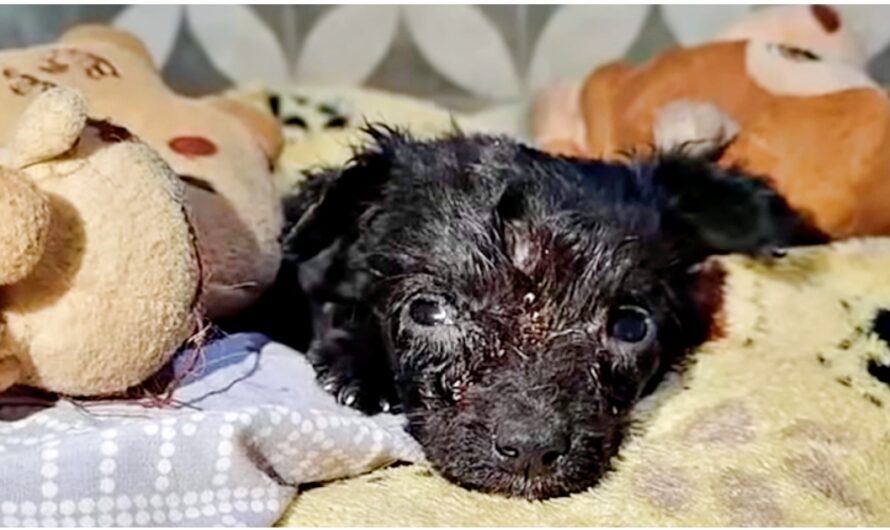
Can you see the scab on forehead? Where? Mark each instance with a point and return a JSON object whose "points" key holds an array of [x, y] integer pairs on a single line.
{"points": [[523, 246], [534, 327], [526, 247], [523, 250]]}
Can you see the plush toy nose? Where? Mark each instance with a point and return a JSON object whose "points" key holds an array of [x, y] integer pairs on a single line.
{"points": [[528, 449]]}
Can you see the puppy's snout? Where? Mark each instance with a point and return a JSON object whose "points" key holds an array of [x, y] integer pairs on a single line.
{"points": [[531, 450]]}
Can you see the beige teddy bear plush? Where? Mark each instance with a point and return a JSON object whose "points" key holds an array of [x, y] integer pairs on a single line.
{"points": [[221, 149], [99, 270]]}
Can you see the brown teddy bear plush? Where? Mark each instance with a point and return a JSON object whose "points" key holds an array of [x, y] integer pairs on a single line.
{"points": [[99, 271], [801, 111], [221, 150]]}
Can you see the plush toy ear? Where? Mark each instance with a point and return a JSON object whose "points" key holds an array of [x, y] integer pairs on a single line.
{"points": [[87, 33], [725, 210], [330, 204]]}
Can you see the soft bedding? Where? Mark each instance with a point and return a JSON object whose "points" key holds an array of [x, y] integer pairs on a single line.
{"points": [[243, 429]]}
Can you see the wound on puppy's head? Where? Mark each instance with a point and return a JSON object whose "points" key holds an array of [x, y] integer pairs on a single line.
{"points": [[512, 211]]}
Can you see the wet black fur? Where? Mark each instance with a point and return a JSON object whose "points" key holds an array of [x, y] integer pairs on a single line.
{"points": [[532, 253]]}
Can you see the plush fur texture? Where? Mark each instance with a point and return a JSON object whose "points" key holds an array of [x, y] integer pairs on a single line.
{"points": [[516, 305]]}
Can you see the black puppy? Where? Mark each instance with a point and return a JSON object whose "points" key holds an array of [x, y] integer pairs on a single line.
{"points": [[515, 305]]}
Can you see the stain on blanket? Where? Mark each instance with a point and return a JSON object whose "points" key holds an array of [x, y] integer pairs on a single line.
{"points": [[664, 487], [748, 500], [817, 471], [820, 434], [730, 422]]}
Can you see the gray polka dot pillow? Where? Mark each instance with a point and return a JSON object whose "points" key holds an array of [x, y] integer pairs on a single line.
{"points": [[245, 427]]}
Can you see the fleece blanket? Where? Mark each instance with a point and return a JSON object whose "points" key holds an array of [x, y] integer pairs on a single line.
{"points": [[244, 428]]}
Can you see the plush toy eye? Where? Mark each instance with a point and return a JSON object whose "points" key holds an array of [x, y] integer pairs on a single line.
{"points": [[430, 311], [631, 324]]}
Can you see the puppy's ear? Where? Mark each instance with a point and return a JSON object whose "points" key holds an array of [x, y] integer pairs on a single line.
{"points": [[725, 210], [330, 204]]}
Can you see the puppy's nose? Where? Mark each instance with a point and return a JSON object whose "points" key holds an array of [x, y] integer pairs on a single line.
{"points": [[533, 452]]}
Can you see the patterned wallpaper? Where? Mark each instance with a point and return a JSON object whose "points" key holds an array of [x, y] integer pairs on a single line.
{"points": [[464, 56]]}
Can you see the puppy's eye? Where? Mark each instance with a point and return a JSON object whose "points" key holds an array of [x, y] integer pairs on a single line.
{"points": [[430, 312], [631, 325]]}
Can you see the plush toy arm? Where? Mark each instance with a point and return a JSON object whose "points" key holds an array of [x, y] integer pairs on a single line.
{"points": [[23, 231], [25, 215], [10, 369]]}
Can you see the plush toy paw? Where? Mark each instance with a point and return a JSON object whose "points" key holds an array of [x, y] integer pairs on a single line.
{"points": [[48, 127], [693, 128], [25, 215]]}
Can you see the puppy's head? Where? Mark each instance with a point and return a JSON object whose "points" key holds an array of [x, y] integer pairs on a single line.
{"points": [[526, 302]]}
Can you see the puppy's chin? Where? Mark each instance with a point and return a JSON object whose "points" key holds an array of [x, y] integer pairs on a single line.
{"points": [[464, 456], [499, 482]]}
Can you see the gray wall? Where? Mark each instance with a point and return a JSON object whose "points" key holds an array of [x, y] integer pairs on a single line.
{"points": [[488, 55]]}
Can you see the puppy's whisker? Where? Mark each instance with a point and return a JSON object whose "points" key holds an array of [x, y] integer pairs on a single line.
{"points": [[519, 352], [568, 332]]}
